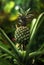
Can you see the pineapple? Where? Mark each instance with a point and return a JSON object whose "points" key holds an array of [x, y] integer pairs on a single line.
{"points": [[22, 34]]}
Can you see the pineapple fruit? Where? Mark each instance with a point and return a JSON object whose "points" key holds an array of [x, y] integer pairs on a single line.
{"points": [[22, 34]]}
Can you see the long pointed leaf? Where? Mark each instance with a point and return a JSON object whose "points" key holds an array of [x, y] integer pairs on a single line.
{"points": [[4, 48], [33, 54], [34, 32], [11, 43], [36, 27], [32, 25], [6, 51]]}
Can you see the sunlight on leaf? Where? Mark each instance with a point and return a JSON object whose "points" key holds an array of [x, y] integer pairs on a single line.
{"points": [[37, 24], [32, 25]]}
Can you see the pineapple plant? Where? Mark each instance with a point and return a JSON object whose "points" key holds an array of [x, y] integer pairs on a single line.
{"points": [[33, 51], [29, 56], [22, 32]]}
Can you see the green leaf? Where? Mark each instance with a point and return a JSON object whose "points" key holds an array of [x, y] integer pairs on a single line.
{"points": [[34, 32], [32, 46], [37, 25], [32, 25], [3, 47], [27, 11], [19, 56], [22, 11], [36, 53]]}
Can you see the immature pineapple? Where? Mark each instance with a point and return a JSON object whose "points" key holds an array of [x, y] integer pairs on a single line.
{"points": [[22, 32]]}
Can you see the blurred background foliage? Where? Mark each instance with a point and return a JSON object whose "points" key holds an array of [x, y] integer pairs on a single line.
{"points": [[9, 13], [9, 10]]}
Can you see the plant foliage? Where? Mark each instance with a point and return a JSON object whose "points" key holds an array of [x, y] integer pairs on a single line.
{"points": [[33, 48]]}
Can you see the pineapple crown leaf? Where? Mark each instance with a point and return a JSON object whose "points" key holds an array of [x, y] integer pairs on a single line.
{"points": [[27, 11], [23, 12]]}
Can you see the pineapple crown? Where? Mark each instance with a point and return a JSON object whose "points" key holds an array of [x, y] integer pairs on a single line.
{"points": [[23, 16], [22, 21]]}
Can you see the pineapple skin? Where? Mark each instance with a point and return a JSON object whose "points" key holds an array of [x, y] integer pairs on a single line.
{"points": [[22, 34]]}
